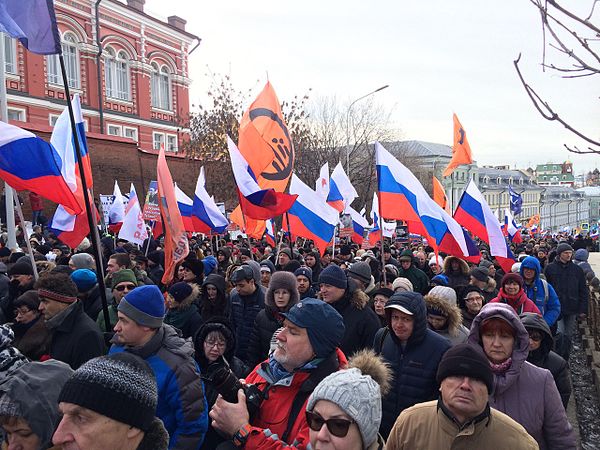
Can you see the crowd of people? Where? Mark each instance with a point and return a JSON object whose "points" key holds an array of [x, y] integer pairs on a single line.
{"points": [[256, 347]]}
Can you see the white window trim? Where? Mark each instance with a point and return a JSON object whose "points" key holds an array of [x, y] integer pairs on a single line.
{"points": [[134, 129], [157, 70], [13, 44], [119, 127], [77, 64], [20, 111], [51, 116], [164, 139], [176, 143], [115, 59]]}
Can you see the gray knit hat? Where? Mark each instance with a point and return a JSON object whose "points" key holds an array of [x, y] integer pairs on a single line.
{"points": [[357, 391], [83, 261], [361, 271], [403, 284], [120, 386]]}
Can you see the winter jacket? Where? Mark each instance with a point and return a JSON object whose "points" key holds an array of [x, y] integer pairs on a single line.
{"points": [[239, 369], [360, 321], [536, 291], [4, 280], [414, 365], [416, 276], [547, 359], [155, 273], [156, 438], [269, 425], [32, 339], [7, 302], [92, 301], [181, 401], [581, 259], [458, 277], [75, 337], [520, 303], [244, 310], [454, 331], [428, 426], [221, 306], [490, 290], [112, 315], [186, 317], [525, 392], [569, 283]]}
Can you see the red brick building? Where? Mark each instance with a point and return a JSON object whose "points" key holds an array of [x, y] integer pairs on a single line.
{"points": [[131, 72]]}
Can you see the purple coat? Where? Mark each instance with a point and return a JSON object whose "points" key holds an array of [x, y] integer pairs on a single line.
{"points": [[525, 392]]}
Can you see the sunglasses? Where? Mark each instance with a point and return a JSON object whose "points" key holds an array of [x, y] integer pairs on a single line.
{"points": [[122, 287], [337, 427]]}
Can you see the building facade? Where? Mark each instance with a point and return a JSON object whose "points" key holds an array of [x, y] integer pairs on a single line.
{"points": [[551, 174], [130, 70], [592, 193], [563, 209]]}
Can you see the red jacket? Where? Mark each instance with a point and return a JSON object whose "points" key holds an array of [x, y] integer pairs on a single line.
{"points": [[36, 202], [520, 303], [274, 412]]}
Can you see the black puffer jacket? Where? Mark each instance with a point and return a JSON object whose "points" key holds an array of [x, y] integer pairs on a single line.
{"points": [[568, 280], [360, 321], [414, 366], [544, 356], [269, 320], [239, 369], [220, 307], [244, 310], [456, 278]]}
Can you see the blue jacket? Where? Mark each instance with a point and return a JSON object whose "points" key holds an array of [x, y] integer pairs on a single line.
{"points": [[181, 401], [549, 307], [414, 367]]}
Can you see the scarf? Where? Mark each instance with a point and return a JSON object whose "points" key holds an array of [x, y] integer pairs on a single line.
{"points": [[516, 301], [179, 317], [501, 368]]}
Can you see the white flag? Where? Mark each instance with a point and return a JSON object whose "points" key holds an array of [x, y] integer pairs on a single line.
{"points": [[134, 228]]}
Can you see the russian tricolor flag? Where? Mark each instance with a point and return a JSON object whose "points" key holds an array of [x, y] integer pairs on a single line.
{"points": [[510, 228], [270, 233], [402, 197], [255, 202], [184, 203], [310, 217], [341, 192], [29, 163], [206, 215], [359, 223], [134, 228], [475, 215], [116, 212]]}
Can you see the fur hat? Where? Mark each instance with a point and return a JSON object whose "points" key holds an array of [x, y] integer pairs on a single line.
{"points": [[195, 266], [282, 280]]}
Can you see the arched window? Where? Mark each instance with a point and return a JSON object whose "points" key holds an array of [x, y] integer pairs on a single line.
{"points": [[71, 58], [116, 74], [160, 87]]}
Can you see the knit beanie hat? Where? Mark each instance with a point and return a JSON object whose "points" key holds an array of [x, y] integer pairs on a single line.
{"points": [[82, 261], [485, 263], [563, 247], [124, 275], [480, 273], [436, 260], [287, 251], [404, 284], [120, 386], [144, 305], [514, 277], [180, 291], [84, 279], [305, 272], [357, 391], [267, 265], [439, 280], [361, 271], [444, 293], [210, 262], [466, 360], [324, 325], [21, 268], [334, 276]]}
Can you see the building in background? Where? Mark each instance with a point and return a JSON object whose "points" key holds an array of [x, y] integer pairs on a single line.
{"points": [[551, 174], [130, 69], [563, 208], [592, 193]]}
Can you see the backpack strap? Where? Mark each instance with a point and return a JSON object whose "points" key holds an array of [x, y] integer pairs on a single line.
{"points": [[546, 291], [379, 339]]}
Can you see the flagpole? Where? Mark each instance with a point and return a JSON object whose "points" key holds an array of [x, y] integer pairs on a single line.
{"points": [[8, 192], [22, 219], [382, 236], [86, 199]]}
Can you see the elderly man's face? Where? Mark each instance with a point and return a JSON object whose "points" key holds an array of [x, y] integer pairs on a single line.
{"points": [[293, 348], [465, 397], [83, 429]]}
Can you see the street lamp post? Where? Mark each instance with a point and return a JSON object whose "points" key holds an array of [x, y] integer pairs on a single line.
{"points": [[348, 124]]}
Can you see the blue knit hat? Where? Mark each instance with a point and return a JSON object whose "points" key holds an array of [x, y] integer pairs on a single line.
{"points": [[305, 272], [84, 279], [145, 305], [334, 276], [180, 291], [324, 325]]}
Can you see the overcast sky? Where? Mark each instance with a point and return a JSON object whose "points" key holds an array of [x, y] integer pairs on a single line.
{"points": [[438, 57]]}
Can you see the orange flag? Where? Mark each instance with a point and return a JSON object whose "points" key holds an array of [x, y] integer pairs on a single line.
{"points": [[535, 219], [265, 141], [252, 227], [439, 195], [461, 151], [176, 241]]}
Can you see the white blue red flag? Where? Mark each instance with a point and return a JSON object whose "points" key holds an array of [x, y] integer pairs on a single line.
{"points": [[184, 203], [341, 192], [134, 228], [322, 183], [206, 215], [359, 223], [510, 228], [116, 212]]}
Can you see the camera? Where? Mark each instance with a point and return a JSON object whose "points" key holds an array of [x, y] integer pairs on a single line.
{"points": [[228, 385]]}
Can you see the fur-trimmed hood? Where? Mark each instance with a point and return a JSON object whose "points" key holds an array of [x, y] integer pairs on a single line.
{"points": [[282, 280], [353, 295], [156, 438], [490, 286], [452, 312], [463, 266]]}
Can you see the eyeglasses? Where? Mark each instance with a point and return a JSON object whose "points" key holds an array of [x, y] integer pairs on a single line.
{"points": [[122, 287], [211, 344], [535, 336], [472, 299], [337, 427]]}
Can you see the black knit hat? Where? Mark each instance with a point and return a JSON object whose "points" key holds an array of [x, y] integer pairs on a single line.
{"points": [[466, 360], [120, 386], [21, 268]]}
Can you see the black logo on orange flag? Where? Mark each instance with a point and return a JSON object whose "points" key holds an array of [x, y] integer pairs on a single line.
{"points": [[281, 145], [461, 140]]}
